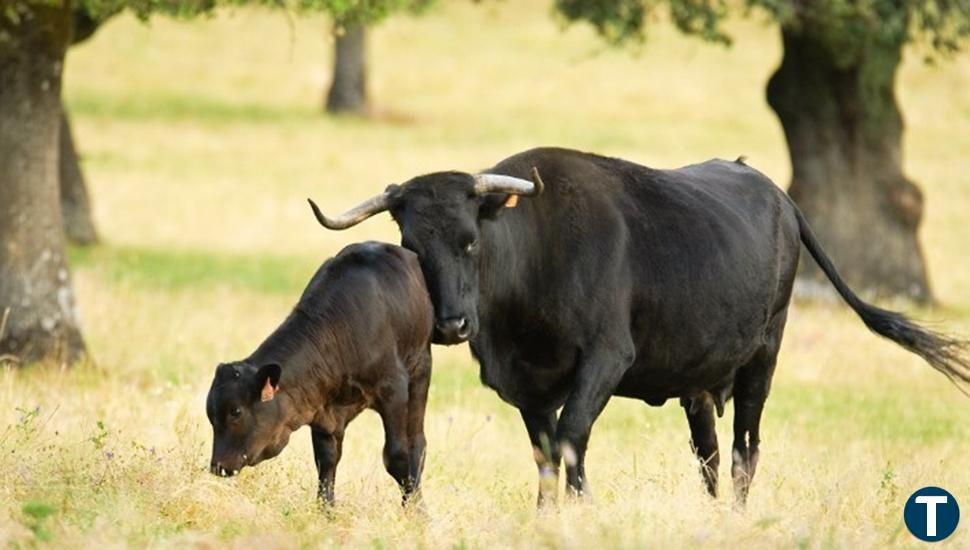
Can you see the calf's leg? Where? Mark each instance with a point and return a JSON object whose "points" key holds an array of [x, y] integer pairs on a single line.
{"points": [[394, 414], [417, 403], [327, 447]]}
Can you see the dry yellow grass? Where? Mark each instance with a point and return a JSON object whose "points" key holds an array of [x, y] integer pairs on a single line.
{"points": [[201, 141]]}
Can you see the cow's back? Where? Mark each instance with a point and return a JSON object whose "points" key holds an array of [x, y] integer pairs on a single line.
{"points": [[376, 291]]}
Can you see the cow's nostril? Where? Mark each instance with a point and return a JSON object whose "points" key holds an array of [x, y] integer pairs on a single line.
{"points": [[464, 328], [454, 329], [218, 469]]}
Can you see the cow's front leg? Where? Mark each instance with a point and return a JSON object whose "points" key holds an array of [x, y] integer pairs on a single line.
{"points": [[542, 434], [703, 438], [596, 379], [327, 446]]}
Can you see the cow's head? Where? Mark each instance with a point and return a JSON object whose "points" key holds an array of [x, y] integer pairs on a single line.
{"points": [[248, 423], [439, 216]]}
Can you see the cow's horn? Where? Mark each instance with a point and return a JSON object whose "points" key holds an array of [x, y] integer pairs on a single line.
{"points": [[495, 183], [350, 218]]}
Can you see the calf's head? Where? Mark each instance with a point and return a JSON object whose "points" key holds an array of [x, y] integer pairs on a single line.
{"points": [[439, 216], [247, 420]]}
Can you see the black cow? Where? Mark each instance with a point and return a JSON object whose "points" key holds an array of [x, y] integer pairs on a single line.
{"points": [[620, 280], [359, 337]]}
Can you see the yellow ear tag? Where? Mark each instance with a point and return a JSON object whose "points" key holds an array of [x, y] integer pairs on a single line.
{"points": [[512, 201]]}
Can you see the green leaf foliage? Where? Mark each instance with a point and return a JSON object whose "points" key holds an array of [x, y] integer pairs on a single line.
{"points": [[940, 24], [347, 11]]}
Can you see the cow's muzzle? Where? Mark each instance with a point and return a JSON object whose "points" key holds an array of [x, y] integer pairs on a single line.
{"points": [[454, 330], [221, 471], [224, 469]]}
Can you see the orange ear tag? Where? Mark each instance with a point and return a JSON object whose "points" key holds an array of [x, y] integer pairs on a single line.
{"points": [[268, 392], [512, 201]]}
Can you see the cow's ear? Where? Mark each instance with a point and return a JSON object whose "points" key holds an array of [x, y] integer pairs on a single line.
{"points": [[491, 205], [268, 379]]}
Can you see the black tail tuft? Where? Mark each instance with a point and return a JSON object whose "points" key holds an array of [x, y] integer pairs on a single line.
{"points": [[944, 353]]}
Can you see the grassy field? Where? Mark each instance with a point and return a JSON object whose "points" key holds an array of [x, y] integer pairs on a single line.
{"points": [[201, 141]]}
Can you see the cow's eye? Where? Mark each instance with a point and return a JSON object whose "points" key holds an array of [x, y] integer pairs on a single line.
{"points": [[471, 246], [236, 413]]}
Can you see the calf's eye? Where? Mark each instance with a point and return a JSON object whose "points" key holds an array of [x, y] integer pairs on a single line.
{"points": [[471, 246], [236, 413]]}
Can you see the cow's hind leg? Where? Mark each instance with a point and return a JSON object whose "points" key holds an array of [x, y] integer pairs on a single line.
{"points": [[393, 409], [417, 402], [703, 438], [749, 401], [751, 385]]}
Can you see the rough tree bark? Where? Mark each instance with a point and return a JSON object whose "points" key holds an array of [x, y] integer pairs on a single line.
{"points": [[348, 89], [837, 105], [36, 297]]}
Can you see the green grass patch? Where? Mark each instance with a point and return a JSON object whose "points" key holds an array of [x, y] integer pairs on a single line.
{"points": [[191, 269], [885, 414], [183, 107], [36, 514]]}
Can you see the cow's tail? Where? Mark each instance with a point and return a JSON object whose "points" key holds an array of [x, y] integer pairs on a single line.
{"points": [[944, 353]]}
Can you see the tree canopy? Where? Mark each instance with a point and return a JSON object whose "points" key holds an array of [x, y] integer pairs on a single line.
{"points": [[942, 24], [343, 10], [834, 94]]}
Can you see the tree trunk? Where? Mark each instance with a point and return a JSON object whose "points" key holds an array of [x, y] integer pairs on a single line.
{"points": [[837, 105], [75, 204], [348, 90], [37, 308], [75, 201]]}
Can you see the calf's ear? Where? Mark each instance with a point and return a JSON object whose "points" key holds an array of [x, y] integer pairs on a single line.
{"points": [[268, 378]]}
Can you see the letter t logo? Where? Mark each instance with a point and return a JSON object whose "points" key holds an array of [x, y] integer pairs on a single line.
{"points": [[931, 502]]}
